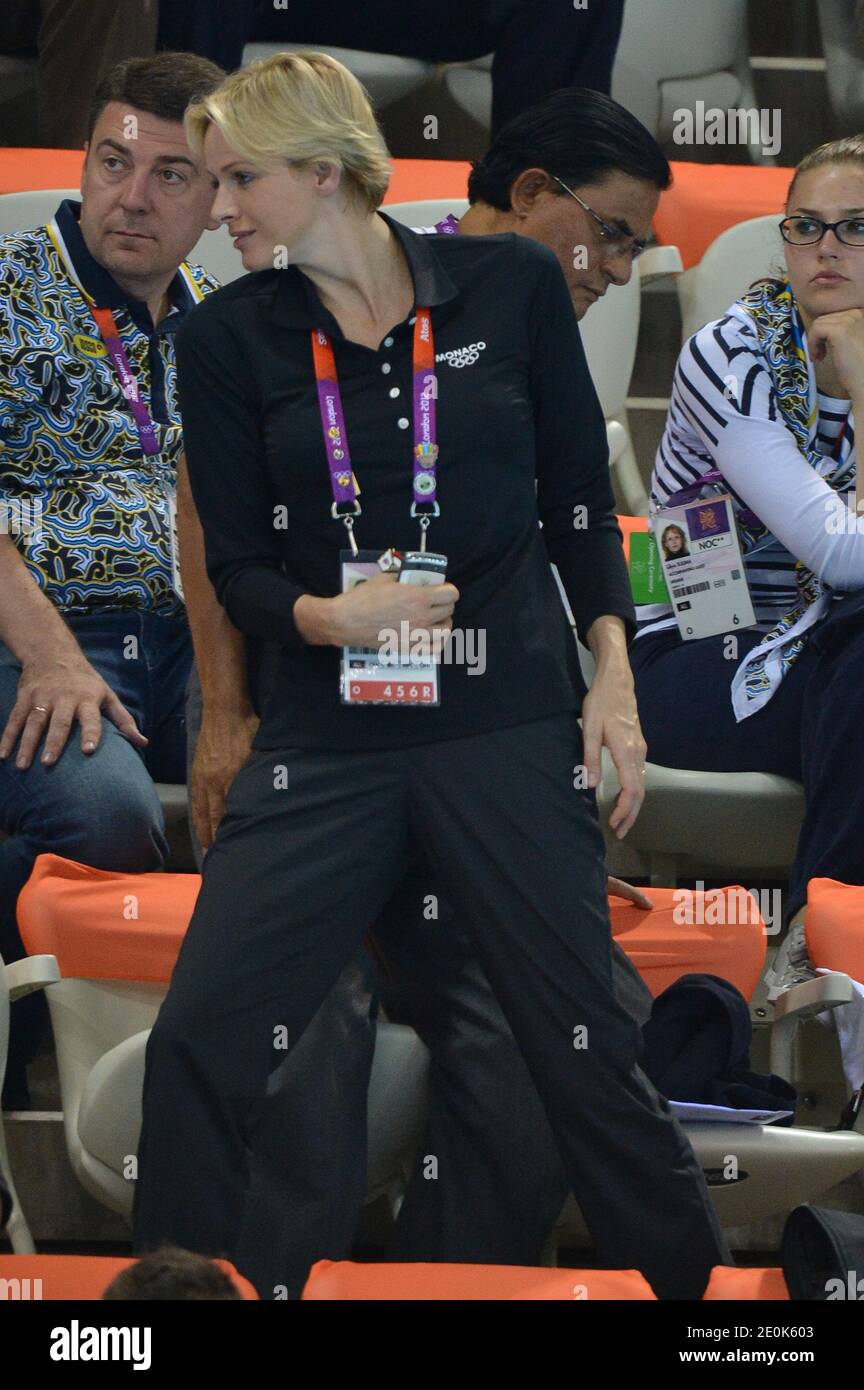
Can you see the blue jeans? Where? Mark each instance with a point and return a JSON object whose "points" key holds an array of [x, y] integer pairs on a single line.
{"points": [[99, 808]]}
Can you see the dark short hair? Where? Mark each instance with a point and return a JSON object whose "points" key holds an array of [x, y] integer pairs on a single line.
{"points": [[162, 86], [173, 1275], [575, 133]]}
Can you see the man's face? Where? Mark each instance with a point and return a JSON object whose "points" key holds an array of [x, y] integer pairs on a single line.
{"points": [[590, 263], [144, 197]]}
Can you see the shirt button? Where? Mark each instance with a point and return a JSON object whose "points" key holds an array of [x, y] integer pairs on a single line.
{"points": [[388, 342], [394, 393], [385, 367], [403, 423], [412, 320]]}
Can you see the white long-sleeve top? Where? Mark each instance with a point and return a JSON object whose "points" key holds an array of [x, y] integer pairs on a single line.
{"points": [[724, 415]]}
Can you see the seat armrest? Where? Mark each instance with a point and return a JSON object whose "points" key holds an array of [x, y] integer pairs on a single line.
{"points": [[813, 997], [32, 973], [803, 1001]]}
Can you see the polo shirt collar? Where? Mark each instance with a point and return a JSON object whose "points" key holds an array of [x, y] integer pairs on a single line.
{"points": [[432, 285], [100, 284]]}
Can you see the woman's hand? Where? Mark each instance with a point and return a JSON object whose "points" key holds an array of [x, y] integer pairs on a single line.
{"points": [[359, 618], [609, 719], [838, 339], [619, 889]]}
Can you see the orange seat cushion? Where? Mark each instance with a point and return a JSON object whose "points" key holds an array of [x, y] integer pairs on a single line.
{"points": [[25, 170], [671, 941], [415, 180], [102, 925], [343, 1279], [705, 199], [112, 926], [835, 926], [82, 1276], [727, 1284]]}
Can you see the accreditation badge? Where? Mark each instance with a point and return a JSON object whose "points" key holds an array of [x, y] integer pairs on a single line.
{"points": [[700, 553], [400, 671]]}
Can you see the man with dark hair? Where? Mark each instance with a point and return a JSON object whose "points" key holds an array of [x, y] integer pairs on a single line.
{"points": [[577, 172], [538, 176], [93, 631], [172, 1275]]}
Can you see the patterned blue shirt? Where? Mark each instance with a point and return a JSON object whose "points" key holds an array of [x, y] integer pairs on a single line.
{"points": [[86, 507]]}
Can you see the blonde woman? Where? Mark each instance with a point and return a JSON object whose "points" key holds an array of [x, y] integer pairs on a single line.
{"points": [[413, 388]]}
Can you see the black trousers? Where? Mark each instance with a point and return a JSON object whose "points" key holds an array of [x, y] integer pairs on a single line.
{"points": [[539, 45], [812, 730], [499, 1183], [310, 850]]}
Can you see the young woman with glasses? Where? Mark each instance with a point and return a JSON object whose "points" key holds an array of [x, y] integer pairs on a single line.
{"points": [[767, 398]]}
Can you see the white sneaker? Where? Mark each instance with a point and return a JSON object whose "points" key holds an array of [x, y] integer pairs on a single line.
{"points": [[792, 965]]}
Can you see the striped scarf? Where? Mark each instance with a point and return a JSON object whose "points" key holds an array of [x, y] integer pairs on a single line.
{"points": [[772, 310]]}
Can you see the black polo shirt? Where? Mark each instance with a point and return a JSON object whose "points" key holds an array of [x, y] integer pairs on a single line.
{"points": [[521, 435]]}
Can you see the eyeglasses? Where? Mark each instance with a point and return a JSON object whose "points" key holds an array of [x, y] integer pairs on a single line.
{"points": [[619, 242], [808, 231]]}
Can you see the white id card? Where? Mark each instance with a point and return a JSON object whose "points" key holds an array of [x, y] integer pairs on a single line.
{"points": [[701, 558], [173, 541], [395, 673]]}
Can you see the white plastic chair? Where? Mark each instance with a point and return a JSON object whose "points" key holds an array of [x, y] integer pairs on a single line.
{"points": [[610, 331], [22, 212], [14, 983], [385, 77], [731, 263], [673, 53], [100, 1031], [700, 823], [470, 86], [844, 62]]}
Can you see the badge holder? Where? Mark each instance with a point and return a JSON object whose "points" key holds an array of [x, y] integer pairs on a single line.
{"points": [[403, 669], [703, 567], [397, 672]]}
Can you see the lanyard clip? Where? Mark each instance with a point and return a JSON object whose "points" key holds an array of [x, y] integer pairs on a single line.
{"points": [[347, 519], [430, 509]]}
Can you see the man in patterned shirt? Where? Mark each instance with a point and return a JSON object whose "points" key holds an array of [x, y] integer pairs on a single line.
{"points": [[94, 643]]}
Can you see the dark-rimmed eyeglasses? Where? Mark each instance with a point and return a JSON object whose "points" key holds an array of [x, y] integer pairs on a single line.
{"points": [[808, 231], [618, 242]]}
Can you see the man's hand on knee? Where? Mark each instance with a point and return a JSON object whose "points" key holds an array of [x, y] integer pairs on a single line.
{"points": [[53, 693]]}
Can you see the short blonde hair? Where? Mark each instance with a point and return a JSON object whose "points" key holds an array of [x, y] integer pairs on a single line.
{"points": [[848, 150], [298, 107]]}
